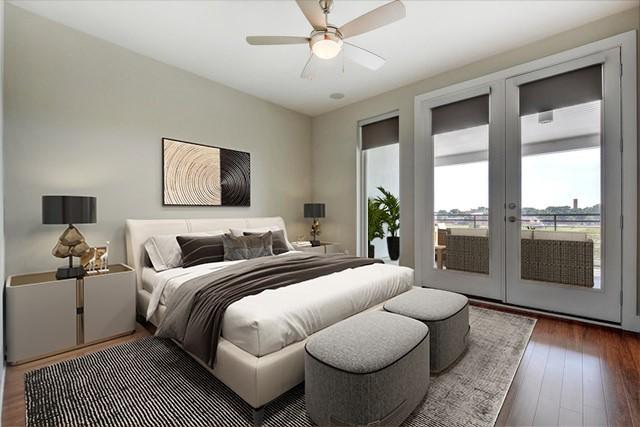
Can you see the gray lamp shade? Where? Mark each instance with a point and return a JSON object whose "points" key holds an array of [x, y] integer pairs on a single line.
{"points": [[314, 210], [69, 210]]}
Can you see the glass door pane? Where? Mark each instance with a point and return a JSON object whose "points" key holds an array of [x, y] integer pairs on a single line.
{"points": [[461, 200], [560, 186]]}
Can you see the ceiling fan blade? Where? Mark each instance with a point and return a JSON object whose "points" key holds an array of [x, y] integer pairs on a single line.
{"points": [[306, 71], [384, 15], [314, 14], [363, 57], [274, 40]]}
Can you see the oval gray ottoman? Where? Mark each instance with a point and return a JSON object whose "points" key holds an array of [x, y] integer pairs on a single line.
{"points": [[372, 368], [447, 316]]}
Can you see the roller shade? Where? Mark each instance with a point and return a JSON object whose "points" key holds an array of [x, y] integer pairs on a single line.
{"points": [[464, 114], [378, 134], [564, 90]]}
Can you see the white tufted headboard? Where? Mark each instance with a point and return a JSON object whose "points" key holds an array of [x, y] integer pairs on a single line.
{"points": [[137, 231]]}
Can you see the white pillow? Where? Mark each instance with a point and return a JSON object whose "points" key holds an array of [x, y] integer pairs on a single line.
{"points": [[164, 251], [240, 232]]}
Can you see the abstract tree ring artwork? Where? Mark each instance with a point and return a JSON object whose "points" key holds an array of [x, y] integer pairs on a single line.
{"points": [[201, 175]]}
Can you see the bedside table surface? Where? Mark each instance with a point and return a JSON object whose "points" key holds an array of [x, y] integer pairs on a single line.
{"points": [[50, 276]]}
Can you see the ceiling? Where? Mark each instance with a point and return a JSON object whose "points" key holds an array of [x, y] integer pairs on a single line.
{"points": [[208, 39]]}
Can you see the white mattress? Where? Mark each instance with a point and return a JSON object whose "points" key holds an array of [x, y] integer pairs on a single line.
{"points": [[267, 322]]}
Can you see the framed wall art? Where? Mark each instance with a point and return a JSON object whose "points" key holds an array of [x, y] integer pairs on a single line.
{"points": [[202, 175]]}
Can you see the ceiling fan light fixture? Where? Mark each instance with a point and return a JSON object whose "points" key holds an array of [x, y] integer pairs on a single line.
{"points": [[326, 45]]}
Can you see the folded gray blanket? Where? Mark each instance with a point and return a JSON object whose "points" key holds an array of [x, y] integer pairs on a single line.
{"points": [[195, 311]]}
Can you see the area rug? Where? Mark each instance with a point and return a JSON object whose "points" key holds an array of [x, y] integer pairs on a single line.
{"points": [[152, 382]]}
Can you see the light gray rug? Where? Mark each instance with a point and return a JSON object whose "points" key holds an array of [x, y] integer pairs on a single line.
{"points": [[152, 382]]}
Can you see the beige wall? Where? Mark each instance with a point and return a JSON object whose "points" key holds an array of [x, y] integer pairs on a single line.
{"points": [[83, 116], [334, 135]]}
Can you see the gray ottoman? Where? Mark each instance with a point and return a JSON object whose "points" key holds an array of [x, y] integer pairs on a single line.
{"points": [[372, 368], [447, 316]]}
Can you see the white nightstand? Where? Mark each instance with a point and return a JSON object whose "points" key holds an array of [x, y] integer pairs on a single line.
{"points": [[324, 248], [46, 316]]}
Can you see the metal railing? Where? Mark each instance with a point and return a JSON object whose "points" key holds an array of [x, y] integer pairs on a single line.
{"points": [[532, 220]]}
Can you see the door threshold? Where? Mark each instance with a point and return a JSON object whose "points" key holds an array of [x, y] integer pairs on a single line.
{"points": [[546, 313]]}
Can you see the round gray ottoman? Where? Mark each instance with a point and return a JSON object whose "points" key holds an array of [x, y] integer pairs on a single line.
{"points": [[372, 368], [447, 316]]}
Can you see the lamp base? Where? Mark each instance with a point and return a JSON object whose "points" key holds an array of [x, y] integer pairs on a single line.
{"points": [[69, 272]]}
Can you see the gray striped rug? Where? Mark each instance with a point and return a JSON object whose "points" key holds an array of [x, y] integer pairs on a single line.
{"points": [[151, 382]]}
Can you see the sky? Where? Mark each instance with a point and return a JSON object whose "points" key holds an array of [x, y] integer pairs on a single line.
{"points": [[553, 179]]}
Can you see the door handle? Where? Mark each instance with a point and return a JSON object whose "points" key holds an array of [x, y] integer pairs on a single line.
{"points": [[514, 219]]}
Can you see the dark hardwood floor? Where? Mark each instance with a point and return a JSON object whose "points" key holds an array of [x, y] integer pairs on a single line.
{"points": [[572, 373]]}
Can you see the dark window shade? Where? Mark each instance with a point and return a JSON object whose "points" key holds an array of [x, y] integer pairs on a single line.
{"points": [[378, 134], [564, 90], [464, 114]]}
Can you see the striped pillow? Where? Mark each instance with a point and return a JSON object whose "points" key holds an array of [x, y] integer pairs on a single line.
{"points": [[198, 250]]}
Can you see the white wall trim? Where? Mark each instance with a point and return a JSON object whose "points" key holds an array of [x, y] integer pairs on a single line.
{"points": [[627, 43]]}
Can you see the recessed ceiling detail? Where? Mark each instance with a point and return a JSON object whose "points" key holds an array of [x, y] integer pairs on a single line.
{"points": [[208, 38]]}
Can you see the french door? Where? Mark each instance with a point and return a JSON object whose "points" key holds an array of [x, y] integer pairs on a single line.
{"points": [[462, 243], [563, 188], [520, 189]]}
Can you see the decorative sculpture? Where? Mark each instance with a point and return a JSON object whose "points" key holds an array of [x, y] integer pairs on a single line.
{"points": [[104, 260], [91, 266]]}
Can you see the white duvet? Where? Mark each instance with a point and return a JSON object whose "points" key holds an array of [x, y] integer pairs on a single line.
{"points": [[273, 319]]}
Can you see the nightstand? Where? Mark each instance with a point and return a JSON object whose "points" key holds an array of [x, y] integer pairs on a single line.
{"points": [[324, 248], [46, 316]]}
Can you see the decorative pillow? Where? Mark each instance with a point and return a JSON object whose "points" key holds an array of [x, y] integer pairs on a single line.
{"points": [[164, 251], [279, 243], [247, 247], [198, 250], [240, 232]]}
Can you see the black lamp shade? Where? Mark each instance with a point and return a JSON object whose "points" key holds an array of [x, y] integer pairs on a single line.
{"points": [[314, 210], [68, 210]]}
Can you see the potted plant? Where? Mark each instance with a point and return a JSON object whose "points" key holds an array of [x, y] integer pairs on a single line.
{"points": [[374, 225], [390, 206]]}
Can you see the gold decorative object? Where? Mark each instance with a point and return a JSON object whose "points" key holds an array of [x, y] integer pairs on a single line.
{"points": [[70, 243], [315, 228]]}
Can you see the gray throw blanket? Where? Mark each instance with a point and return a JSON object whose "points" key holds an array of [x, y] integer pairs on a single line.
{"points": [[195, 311]]}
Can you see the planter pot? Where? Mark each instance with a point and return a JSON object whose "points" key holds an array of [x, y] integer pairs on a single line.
{"points": [[393, 245], [372, 251]]}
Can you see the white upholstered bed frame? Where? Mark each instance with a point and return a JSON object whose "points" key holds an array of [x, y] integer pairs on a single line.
{"points": [[257, 380]]}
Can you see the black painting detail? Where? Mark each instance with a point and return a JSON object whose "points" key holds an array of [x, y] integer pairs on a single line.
{"points": [[235, 178]]}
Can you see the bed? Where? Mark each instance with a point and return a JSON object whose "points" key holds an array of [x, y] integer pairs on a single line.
{"points": [[260, 354]]}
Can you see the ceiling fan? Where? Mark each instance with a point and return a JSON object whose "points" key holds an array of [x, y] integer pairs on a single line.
{"points": [[327, 41]]}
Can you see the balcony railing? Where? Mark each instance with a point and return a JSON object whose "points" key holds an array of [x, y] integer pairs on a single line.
{"points": [[532, 220]]}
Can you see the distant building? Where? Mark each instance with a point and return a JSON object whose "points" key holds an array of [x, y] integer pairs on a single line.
{"points": [[575, 203]]}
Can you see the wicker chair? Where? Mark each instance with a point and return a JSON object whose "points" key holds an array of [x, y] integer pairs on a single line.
{"points": [[545, 256], [556, 260], [466, 253]]}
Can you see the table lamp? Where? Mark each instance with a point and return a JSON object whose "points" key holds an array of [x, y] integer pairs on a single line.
{"points": [[69, 210], [315, 211]]}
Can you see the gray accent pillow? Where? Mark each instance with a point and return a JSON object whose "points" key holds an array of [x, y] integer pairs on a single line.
{"points": [[279, 243], [247, 247]]}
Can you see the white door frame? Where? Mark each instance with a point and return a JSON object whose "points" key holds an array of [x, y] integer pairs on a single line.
{"points": [[627, 43], [477, 284], [600, 304]]}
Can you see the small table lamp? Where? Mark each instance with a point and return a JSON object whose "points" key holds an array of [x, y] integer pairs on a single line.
{"points": [[69, 210], [315, 211]]}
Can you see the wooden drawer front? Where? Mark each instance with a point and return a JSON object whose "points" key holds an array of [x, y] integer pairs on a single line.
{"points": [[41, 319], [109, 305]]}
